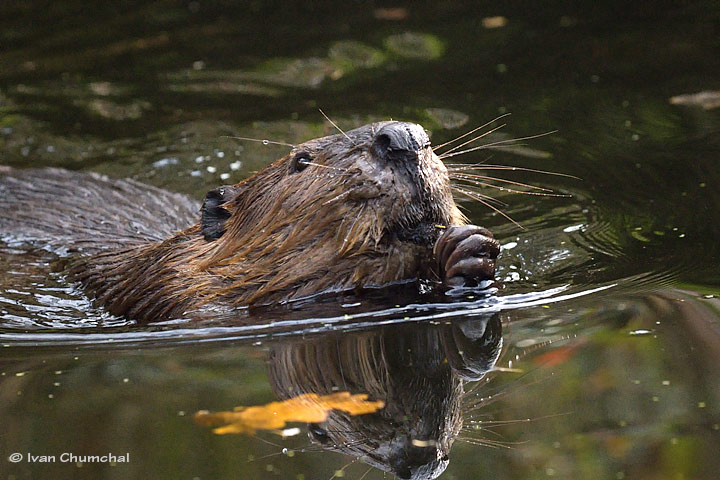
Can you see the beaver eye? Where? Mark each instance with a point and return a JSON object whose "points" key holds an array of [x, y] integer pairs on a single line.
{"points": [[300, 162], [317, 433]]}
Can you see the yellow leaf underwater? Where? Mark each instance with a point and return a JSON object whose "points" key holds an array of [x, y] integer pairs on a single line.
{"points": [[308, 408]]}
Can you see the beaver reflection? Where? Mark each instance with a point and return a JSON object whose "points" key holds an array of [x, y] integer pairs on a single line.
{"points": [[419, 372]]}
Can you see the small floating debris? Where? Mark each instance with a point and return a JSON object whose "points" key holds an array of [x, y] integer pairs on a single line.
{"points": [[573, 228], [415, 46], [290, 432], [707, 99], [494, 22], [164, 162], [393, 13]]}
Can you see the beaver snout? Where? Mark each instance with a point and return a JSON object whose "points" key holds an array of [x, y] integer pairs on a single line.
{"points": [[400, 141], [411, 462]]}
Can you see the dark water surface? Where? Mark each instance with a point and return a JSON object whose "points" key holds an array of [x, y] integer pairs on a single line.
{"points": [[607, 323]]}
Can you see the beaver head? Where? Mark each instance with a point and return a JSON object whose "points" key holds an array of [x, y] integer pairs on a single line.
{"points": [[374, 184]]}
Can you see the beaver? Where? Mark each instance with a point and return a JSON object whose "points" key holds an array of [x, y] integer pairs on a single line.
{"points": [[365, 208], [418, 371]]}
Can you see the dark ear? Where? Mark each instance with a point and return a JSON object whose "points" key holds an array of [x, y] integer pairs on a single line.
{"points": [[212, 213]]}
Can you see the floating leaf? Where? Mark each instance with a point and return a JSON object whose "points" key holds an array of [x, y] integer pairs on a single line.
{"points": [[308, 408]]}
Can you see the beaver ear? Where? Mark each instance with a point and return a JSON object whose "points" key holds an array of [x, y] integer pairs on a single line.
{"points": [[212, 213]]}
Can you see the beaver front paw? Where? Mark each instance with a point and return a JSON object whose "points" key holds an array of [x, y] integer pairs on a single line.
{"points": [[466, 255]]}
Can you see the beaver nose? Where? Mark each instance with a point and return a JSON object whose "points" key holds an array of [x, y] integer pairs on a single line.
{"points": [[400, 141], [411, 462]]}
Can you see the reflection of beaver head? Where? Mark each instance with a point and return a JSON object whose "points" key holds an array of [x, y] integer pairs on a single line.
{"points": [[418, 371], [350, 210]]}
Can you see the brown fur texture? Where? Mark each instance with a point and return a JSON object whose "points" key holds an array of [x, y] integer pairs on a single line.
{"points": [[346, 211]]}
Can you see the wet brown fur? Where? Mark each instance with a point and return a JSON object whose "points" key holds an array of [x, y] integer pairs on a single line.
{"points": [[347, 220]]}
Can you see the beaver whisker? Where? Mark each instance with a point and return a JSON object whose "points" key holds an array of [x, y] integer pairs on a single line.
{"points": [[479, 197], [436, 147], [500, 394], [308, 448], [444, 154], [489, 443], [307, 162], [338, 197], [453, 167], [341, 472], [470, 176], [496, 144], [484, 424], [544, 192], [327, 175], [347, 245], [263, 141], [487, 198], [366, 472], [335, 125]]}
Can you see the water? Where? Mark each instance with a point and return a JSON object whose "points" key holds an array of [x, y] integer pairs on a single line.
{"points": [[608, 310]]}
